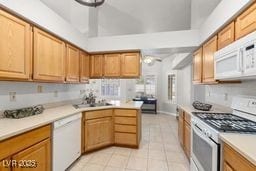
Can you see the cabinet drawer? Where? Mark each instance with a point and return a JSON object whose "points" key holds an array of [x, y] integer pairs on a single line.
{"points": [[125, 138], [125, 120], [121, 112], [98, 114], [125, 128], [23, 141]]}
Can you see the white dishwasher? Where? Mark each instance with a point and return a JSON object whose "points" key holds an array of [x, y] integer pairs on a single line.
{"points": [[66, 142]]}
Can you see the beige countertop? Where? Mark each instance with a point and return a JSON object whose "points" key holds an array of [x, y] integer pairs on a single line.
{"points": [[12, 127], [245, 144]]}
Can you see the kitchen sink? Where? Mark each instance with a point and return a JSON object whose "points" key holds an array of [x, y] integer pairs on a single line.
{"points": [[77, 106]]}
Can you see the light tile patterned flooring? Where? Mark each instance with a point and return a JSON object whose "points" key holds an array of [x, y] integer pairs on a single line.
{"points": [[159, 150]]}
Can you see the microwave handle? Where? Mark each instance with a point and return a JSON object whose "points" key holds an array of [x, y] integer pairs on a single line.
{"points": [[240, 60]]}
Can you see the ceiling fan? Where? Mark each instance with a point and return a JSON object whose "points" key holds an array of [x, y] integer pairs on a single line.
{"points": [[150, 60]]}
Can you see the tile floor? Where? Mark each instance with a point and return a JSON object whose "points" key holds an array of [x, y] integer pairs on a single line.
{"points": [[159, 150]]}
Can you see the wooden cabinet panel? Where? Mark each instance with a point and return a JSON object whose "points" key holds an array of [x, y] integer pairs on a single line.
{"points": [[246, 22], [125, 112], [125, 120], [5, 164], [125, 128], [84, 67], [96, 66], [130, 65], [98, 133], [125, 139], [208, 60], [98, 114], [197, 66], [181, 127], [40, 152], [187, 118], [49, 57], [226, 36], [187, 143], [15, 47], [112, 65], [233, 161], [72, 64]]}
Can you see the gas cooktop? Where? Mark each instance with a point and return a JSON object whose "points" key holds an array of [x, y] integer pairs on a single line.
{"points": [[226, 122]]}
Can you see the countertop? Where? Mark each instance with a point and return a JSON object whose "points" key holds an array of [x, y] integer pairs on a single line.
{"points": [[12, 127], [245, 144]]}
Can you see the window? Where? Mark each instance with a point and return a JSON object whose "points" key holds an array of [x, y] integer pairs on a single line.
{"points": [[171, 87], [110, 87], [146, 86]]}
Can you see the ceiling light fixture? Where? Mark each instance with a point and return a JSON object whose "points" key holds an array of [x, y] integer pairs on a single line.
{"points": [[91, 3]]}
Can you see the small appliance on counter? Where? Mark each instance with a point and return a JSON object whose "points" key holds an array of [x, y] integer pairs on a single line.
{"points": [[206, 126]]}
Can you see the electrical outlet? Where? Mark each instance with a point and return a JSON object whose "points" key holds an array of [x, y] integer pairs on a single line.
{"points": [[56, 93], [226, 96], [39, 89], [12, 96]]}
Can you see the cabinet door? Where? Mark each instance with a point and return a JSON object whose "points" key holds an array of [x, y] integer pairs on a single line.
{"points": [[84, 67], [5, 165], [130, 65], [96, 66], [226, 167], [208, 60], [15, 47], [49, 57], [246, 22], [181, 127], [226, 36], [98, 133], [112, 65], [40, 153], [187, 144], [197, 66], [72, 71]]}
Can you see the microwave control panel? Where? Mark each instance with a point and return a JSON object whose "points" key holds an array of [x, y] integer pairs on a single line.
{"points": [[249, 57]]}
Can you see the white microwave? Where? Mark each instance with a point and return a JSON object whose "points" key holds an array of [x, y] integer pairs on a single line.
{"points": [[237, 60]]}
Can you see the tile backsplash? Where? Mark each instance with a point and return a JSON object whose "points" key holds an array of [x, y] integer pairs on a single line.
{"points": [[222, 94]]}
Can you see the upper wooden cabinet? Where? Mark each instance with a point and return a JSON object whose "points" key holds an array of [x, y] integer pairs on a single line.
{"points": [[130, 65], [208, 60], [84, 67], [49, 57], [112, 65], [197, 66], [246, 22], [96, 66], [226, 36], [15, 47], [73, 60]]}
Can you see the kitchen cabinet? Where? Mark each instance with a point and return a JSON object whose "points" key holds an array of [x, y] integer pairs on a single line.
{"points": [[127, 127], [197, 66], [209, 49], [246, 22], [84, 67], [31, 145], [49, 57], [130, 65], [15, 49], [233, 161], [72, 64], [96, 66], [4, 165], [39, 153], [112, 65], [98, 129], [226, 36], [187, 139]]}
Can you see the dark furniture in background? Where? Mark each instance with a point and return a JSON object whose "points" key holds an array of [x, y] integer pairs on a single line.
{"points": [[149, 105]]}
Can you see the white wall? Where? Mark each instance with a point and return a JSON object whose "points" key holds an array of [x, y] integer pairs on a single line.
{"points": [[39, 13]]}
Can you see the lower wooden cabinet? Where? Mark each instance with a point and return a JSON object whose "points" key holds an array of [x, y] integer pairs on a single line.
{"points": [[32, 150], [233, 161], [98, 133]]}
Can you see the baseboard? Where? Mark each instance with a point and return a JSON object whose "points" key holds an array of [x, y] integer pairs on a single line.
{"points": [[167, 113]]}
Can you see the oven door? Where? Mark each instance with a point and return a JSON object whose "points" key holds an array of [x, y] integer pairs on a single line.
{"points": [[205, 152]]}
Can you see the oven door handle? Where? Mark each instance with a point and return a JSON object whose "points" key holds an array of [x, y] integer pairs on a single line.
{"points": [[203, 136]]}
